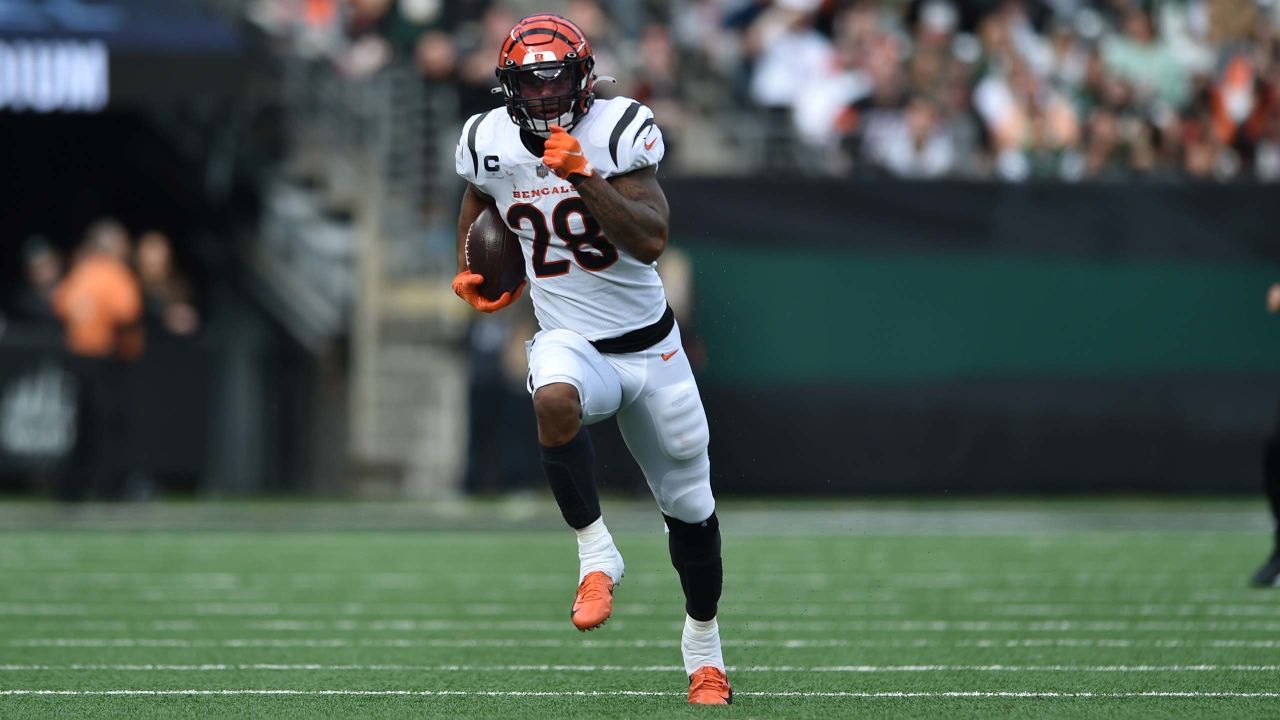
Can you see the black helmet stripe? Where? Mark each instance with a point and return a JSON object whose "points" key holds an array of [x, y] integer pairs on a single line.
{"points": [[547, 31], [546, 17], [511, 43], [559, 21]]}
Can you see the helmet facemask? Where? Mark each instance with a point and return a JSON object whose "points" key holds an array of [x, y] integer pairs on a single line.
{"points": [[542, 94]]}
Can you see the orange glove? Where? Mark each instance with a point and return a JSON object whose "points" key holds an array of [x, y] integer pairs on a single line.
{"points": [[563, 154], [467, 285]]}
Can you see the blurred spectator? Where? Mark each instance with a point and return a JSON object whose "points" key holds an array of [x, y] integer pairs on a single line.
{"points": [[478, 60], [369, 50], [436, 56], [1068, 59], [1245, 104], [611, 48], [824, 109], [787, 49], [100, 304], [1104, 157], [405, 23], [1023, 113], [166, 295], [1140, 57], [916, 147], [99, 301], [1266, 158], [42, 269]]}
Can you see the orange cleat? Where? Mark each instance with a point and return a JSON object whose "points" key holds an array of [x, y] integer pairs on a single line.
{"points": [[709, 686], [594, 602]]}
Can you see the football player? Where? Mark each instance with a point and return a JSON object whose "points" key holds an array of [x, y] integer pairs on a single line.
{"points": [[1269, 574], [575, 177]]}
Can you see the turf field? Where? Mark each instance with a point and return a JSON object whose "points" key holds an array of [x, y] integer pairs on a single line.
{"points": [[1104, 609]]}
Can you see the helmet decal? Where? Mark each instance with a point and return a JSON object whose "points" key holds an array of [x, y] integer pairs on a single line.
{"points": [[538, 56]]}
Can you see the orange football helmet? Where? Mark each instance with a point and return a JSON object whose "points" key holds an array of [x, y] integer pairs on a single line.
{"points": [[545, 68]]}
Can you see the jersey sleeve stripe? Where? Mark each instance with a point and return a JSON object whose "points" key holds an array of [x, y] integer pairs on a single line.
{"points": [[471, 142], [626, 119], [648, 123]]}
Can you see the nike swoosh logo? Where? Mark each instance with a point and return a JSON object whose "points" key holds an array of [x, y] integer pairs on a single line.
{"points": [[668, 355], [649, 145]]}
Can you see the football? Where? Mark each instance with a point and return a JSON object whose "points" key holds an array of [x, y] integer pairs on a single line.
{"points": [[493, 251]]}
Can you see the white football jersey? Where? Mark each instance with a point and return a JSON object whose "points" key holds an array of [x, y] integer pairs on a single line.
{"points": [[578, 280]]}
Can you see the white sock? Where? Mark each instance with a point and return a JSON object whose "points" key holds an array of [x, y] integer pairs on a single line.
{"points": [[700, 645], [592, 532], [596, 551]]}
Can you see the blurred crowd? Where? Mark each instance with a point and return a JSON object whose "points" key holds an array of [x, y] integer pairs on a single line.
{"points": [[110, 295], [455, 43], [111, 304], [1061, 89], [1012, 89]]}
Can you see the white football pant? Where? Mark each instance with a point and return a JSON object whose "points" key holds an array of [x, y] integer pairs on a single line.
{"points": [[659, 411]]}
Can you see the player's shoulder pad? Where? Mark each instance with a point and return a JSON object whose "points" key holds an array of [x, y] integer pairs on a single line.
{"points": [[477, 133], [627, 134]]}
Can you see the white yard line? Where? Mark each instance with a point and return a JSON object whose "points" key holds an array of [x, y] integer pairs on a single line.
{"points": [[192, 609], [29, 594], [397, 643], [1049, 626], [1006, 582], [734, 624], [859, 669], [785, 643], [740, 624], [1112, 643], [1038, 668], [648, 693]]}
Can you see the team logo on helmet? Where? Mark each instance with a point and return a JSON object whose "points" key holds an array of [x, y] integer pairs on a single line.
{"points": [[539, 57], [545, 68]]}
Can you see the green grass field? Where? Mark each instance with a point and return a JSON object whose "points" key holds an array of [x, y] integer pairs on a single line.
{"points": [[1080, 609]]}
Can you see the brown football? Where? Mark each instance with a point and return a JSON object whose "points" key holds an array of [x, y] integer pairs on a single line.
{"points": [[494, 252]]}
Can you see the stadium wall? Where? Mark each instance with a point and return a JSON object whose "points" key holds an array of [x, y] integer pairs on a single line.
{"points": [[969, 337]]}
